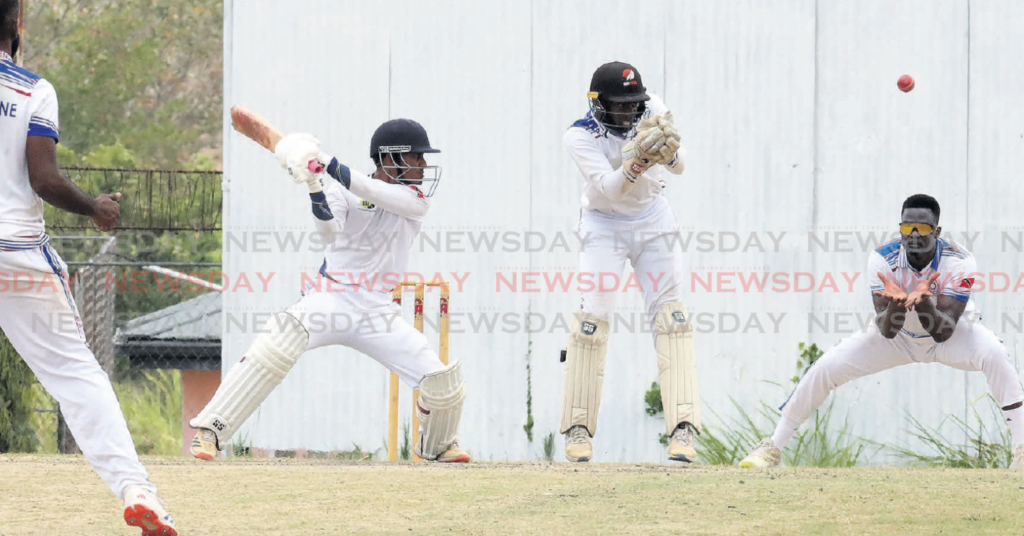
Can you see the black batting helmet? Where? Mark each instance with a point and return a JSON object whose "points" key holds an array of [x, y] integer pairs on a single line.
{"points": [[401, 136], [617, 82]]}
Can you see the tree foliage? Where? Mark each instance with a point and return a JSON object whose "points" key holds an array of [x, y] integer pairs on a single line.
{"points": [[16, 401], [138, 81]]}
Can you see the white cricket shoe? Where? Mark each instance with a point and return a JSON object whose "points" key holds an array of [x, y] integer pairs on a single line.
{"points": [[765, 454], [144, 510], [1018, 459], [578, 447], [681, 447], [204, 444], [454, 454]]}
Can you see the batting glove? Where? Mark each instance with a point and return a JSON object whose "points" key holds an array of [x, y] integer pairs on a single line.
{"points": [[294, 152]]}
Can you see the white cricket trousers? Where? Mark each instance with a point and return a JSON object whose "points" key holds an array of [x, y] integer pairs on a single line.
{"points": [[369, 322], [646, 242], [973, 347], [39, 317]]}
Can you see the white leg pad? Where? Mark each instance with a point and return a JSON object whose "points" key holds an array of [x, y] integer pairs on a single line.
{"points": [[677, 367], [442, 394], [584, 372], [251, 381]]}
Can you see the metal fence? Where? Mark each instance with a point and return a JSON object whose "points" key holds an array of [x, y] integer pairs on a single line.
{"points": [[146, 293], [153, 199]]}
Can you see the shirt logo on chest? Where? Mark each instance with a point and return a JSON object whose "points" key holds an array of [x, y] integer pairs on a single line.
{"points": [[366, 205], [8, 109]]}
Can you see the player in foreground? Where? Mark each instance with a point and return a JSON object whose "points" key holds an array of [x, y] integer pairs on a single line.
{"points": [[352, 209], [43, 323], [921, 287], [626, 147]]}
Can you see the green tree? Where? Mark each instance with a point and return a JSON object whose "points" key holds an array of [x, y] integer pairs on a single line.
{"points": [[16, 401], [143, 74], [111, 156]]}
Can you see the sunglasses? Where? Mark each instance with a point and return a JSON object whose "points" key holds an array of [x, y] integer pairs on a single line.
{"points": [[922, 228]]}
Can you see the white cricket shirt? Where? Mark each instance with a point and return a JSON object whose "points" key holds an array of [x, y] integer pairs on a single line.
{"points": [[956, 267], [28, 107], [598, 155], [371, 233]]}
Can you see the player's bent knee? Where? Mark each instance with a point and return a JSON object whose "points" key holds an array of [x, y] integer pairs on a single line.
{"points": [[826, 373], [281, 347], [269, 359]]}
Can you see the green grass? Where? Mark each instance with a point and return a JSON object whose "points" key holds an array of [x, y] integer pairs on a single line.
{"points": [[984, 448], [151, 403], [726, 441], [549, 447], [301, 497], [818, 443], [152, 407]]}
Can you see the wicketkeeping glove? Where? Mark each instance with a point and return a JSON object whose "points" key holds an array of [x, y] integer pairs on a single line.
{"points": [[638, 155], [667, 151]]}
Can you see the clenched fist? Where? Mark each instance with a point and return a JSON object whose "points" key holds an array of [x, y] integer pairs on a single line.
{"points": [[107, 212]]}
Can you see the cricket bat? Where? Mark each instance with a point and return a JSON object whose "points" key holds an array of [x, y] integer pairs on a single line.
{"points": [[252, 126]]}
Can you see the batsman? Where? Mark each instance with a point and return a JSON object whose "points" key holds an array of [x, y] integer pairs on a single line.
{"points": [[627, 149], [350, 210]]}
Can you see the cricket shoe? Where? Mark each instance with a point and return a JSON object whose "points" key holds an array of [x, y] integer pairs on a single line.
{"points": [[204, 444], [454, 454], [1018, 458], [578, 447], [144, 510], [680, 448], [765, 454]]}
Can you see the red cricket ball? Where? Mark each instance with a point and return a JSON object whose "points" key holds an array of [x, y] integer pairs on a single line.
{"points": [[905, 83]]}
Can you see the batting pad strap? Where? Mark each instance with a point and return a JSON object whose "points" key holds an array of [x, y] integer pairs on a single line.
{"points": [[583, 377], [442, 395], [677, 368], [251, 381]]}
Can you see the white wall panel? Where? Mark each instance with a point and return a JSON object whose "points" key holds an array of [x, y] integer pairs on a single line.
{"points": [[741, 88], [995, 167]]}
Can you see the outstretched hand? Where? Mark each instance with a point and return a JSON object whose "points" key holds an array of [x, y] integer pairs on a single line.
{"points": [[922, 291], [892, 293]]}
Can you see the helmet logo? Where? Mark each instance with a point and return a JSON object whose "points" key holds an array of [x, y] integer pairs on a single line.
{"points": [[628, 77]]}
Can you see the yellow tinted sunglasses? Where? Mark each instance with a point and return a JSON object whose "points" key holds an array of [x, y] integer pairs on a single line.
{"points": [[922, 228]]}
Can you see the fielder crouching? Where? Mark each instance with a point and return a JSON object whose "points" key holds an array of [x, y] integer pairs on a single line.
{"points": [[921, 287], [348, 206]]}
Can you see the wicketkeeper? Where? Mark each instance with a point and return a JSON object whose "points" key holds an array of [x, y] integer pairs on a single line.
{"points": [[627, 149]]}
